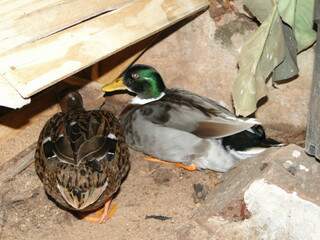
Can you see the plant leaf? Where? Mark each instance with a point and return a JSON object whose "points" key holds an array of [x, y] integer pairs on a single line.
{"points": [[259, 56], [261, 9], [288, 68], [298, 15]]}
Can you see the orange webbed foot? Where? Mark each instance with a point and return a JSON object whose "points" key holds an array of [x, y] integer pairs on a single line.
{"points": [[103, 214], [156, 160], [191, 167]]}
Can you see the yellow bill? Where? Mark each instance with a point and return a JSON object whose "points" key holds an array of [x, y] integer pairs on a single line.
{"points": [[115, 85]]}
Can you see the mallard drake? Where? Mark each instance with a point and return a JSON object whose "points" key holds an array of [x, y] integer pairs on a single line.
{"points": [[180, 126], [81, 157]]}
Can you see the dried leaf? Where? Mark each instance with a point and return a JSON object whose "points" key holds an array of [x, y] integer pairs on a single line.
{"points": [[259, 56], [261, 9], [298, 15], [276, 40], [288, 68]]}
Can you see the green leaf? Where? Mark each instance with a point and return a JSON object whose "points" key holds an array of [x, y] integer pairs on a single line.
{"points": [[273, 38], [259, 56], [298, 14], [288, 68], [261, 9]]}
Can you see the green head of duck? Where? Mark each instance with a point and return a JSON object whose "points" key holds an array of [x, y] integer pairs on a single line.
{"points": [[143, 80]]}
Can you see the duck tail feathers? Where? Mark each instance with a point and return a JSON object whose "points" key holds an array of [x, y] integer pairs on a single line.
{"points": [[269, 142], [249, 143], [256, 150]]}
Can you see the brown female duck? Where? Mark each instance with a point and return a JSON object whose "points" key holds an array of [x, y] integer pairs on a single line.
{"points": [[81, 157]]}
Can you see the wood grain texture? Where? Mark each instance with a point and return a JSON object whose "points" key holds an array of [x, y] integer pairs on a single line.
{"points": [[10, 97], [21, 128], [40, 64], [113, 66], [23, 21], [115, 72]]}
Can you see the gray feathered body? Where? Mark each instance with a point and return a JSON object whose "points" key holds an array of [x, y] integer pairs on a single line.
{"points": [[187, 128]]}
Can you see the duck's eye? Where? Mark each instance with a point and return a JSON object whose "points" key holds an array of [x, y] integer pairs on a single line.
{"points": [[135, 76]]}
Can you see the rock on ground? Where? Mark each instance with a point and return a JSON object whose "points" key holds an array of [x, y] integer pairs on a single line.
{"points": [[273, 196]]}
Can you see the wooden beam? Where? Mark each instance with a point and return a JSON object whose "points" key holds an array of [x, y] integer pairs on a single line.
{"points": [[19, 130], [119, 68], [10, 97], [40, 64], [94, 71], [111, 67], [23, 21]]}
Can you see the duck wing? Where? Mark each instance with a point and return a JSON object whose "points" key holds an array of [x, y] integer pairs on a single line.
{"points": [[151, 129], [183, 110], [82, 158]]}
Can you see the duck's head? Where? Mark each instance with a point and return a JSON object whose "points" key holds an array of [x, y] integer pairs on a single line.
{"points": [[72, 101], [143, 80]]}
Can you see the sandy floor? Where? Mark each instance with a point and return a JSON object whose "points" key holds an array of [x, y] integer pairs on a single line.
{"points": [[150, 189]]}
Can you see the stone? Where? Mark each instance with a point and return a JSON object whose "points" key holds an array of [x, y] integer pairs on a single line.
{"points": [[200, 192], [272, 196]]}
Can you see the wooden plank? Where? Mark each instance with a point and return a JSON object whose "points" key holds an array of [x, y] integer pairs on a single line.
{"points": [[19, 130], [113, 66], [23, 21], [115, 72], [38, 65], [95, 71], [10, 97]]}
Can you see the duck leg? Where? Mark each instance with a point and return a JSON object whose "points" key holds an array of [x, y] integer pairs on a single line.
{"points": [[103, 214], [191, 167]]}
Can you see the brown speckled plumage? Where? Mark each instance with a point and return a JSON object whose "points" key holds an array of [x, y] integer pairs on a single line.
{"points": [[81, 156]]}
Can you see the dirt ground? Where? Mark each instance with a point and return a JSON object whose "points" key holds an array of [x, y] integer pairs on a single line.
{"points": [[149, 190]]}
